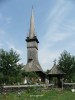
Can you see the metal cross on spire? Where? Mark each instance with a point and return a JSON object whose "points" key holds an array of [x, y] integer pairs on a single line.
{"points": [[54, 61]]}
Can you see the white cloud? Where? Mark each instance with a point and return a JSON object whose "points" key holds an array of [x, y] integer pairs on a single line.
{"points": [[14, 48], [5, 19], [1, 45], [8, 20], [58, 10], [19, 51], [46, 57], [54, 35], [70, 27], [2, 32], [2, 35]]}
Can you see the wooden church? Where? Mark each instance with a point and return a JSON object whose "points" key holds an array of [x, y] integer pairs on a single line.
{"points": [[33, 64]]}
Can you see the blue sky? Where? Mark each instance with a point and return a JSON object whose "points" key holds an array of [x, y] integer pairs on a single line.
{"points": [[54, 25]]}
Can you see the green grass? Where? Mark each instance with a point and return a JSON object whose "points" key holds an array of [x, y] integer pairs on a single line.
{"points": [[45, 95]]}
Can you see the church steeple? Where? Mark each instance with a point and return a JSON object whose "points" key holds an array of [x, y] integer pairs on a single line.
{"points": [[32, 26], [32, 34], [32, 41], [32, 51]]}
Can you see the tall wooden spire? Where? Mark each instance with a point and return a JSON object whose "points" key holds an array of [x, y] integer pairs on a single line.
{"points": [[32, 51], [32, 26]]}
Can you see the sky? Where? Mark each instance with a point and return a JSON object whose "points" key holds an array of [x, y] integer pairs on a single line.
{"points": [[54, 26]]}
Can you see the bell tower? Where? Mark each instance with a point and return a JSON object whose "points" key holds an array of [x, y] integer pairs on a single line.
{"points": [[32, 41], [33, 64]]}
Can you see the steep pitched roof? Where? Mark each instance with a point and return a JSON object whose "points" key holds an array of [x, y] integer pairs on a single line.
{"points": [[32, 66], [56, 70]]}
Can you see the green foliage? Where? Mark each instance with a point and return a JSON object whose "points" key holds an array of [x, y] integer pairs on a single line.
{"points": [[10, 70], [1, 77], [32, 77], [34, 90], [67, 64], [31, 74]]}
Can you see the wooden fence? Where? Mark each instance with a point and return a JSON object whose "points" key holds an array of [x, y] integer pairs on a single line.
{"points": [[7, 88]]}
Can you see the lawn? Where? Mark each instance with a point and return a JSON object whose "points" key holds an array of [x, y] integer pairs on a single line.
{"points": [[44, 95]]}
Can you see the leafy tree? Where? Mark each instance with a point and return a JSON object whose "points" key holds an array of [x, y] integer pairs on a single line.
{"points": [[1, 77], [67, 64], [47, 71], [9, 67]]}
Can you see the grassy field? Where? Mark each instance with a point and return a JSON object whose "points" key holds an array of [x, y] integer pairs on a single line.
{"points": [[44, 95]]}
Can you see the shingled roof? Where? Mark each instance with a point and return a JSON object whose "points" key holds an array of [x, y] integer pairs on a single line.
{"points": [[56, 70], [32, 66]]}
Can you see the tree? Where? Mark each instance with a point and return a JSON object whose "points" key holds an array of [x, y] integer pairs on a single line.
{"points": [[9, 67], [67, 64]]}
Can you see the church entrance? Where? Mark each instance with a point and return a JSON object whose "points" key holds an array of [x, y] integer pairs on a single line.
{"points": [[56, 80]]}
